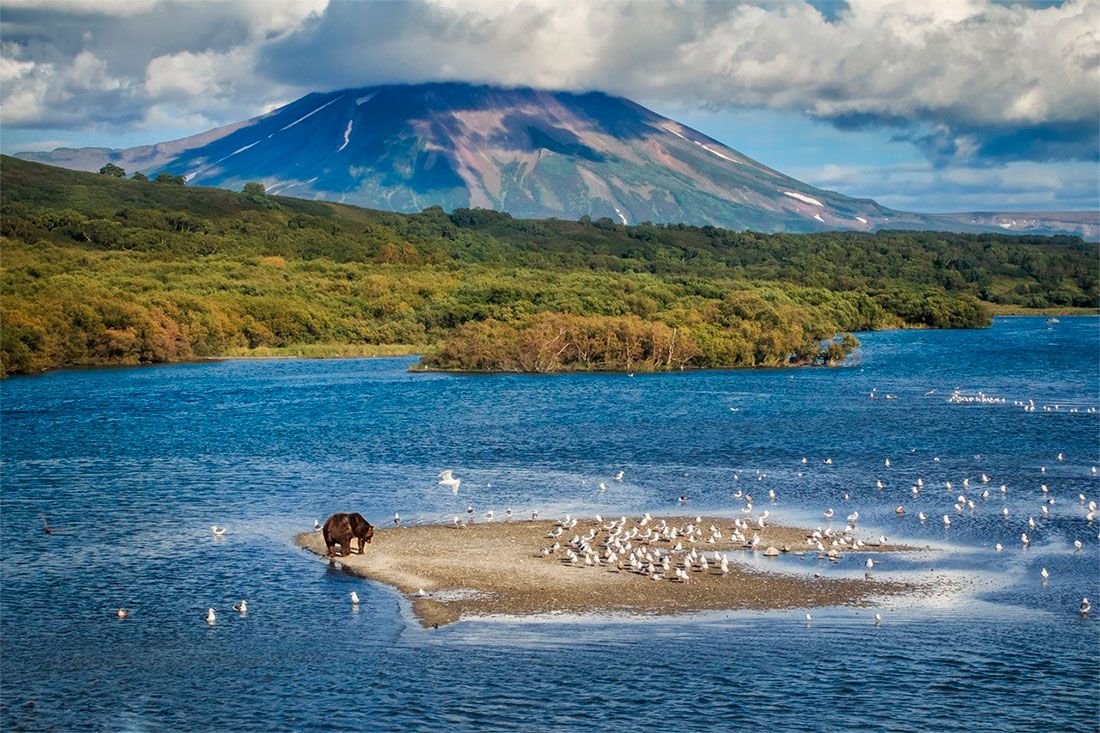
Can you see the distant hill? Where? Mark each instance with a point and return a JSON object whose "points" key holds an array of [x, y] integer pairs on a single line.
{"points": [[96, 269], [532, 153]]}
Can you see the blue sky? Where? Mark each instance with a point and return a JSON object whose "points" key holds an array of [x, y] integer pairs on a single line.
{"points": [[937, 106]]}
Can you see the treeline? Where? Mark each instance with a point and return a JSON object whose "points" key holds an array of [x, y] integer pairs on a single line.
{"points": [[97, 269]]}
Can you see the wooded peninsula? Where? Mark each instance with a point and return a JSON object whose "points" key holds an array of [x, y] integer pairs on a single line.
{"points": [[97, 269]]}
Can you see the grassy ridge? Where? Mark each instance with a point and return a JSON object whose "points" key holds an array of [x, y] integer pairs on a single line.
{"points": [[100, 270]]}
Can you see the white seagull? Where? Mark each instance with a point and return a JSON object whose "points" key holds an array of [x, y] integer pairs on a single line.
{"points": [[218, 531], [210, 617], [354, 598], [446, 478], [242, 607]]}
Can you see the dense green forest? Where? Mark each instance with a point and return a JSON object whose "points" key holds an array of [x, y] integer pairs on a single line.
{"points": [[98, 269]]}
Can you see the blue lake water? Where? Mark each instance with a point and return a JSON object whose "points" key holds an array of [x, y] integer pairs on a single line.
{"points": [[134, 465]]}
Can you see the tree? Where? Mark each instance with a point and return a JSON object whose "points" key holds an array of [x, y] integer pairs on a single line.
{"points": [[112, 170], [255, 194], [139, 176], [169, 178]]}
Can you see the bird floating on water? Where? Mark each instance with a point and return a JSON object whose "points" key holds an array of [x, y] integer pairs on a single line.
{"points": [[396, 519], [211, 617], [123, 613], [1045, 574], [1085, 606], [218, 531], [1025, 539], [878, 619], [998, 547], [354, 598], [618, 476], [242, 607]]}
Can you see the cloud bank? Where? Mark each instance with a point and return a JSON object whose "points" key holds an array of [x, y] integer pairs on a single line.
{"points": [[967, 81]]}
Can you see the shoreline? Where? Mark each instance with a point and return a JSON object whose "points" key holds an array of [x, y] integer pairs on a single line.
{"points": [[499, 568], [383, 351]]}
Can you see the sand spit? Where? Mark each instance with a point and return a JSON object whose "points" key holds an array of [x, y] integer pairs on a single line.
{"points": [[498, 568]]}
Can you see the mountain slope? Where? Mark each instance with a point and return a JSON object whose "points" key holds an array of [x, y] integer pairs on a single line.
{"points": [[532, 153]]}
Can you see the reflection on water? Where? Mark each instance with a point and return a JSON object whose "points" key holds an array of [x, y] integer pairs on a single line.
{"points": [[133, 466]]}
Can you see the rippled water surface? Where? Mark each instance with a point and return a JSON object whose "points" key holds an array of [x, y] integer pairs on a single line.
{"points": [[134, 465]]}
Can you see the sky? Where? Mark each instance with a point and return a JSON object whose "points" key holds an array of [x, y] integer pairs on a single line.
{"points": [[923, 105]]}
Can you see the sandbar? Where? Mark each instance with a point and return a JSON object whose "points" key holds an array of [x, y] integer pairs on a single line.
{"points": [[497, 568]]}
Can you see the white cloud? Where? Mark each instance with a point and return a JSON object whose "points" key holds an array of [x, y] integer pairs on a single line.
{"points": [[963, 79]]}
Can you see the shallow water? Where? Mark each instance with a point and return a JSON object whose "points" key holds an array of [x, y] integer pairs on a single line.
{"points": [[136, 464]]}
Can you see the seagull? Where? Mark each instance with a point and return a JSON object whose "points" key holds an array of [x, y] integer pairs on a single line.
{"points": [[603, 486], [1077, 545], [946, 521], [618, 476], [887, 463], [683, 499], [1061, 457], [489, 515], [507, 514], [878, 619], [1085, 606], [1045, 573], [210, 617], [242, 607], [810, 618], [922, 516], [218, 531], [421, 593], [828, 513], [317, 525], [354, 598], [998, 547], [396, 519], [1025, 539], [446, 478], [870, 563], [123, 613]]}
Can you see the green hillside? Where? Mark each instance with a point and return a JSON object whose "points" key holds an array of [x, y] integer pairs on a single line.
{"points": [[102, 270]]}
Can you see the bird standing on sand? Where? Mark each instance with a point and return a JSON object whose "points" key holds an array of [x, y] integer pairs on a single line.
{"points": [[317, 525], [446, 478]]}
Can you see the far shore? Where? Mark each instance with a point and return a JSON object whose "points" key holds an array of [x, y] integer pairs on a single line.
{"points": [[498, 568], [374, 351]]}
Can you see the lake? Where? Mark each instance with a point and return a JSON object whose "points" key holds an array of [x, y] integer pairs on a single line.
{"points": [[132, 466]]}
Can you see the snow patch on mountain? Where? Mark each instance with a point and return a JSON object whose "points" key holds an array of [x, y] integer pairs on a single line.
{"points": [[347, 136], [803, 197], [712, 151], [307, 116]]}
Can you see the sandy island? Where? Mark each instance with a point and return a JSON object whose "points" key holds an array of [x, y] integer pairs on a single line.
{"points": [[498, 568]]}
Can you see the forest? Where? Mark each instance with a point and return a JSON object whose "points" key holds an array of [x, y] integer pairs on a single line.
{"points": [[99, 269]]}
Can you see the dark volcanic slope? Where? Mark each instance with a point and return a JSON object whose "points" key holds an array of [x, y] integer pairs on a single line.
{"points": [[532, 153]]}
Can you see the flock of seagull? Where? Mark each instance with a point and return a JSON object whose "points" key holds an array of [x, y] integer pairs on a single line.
{"points": [[624, 545]]}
